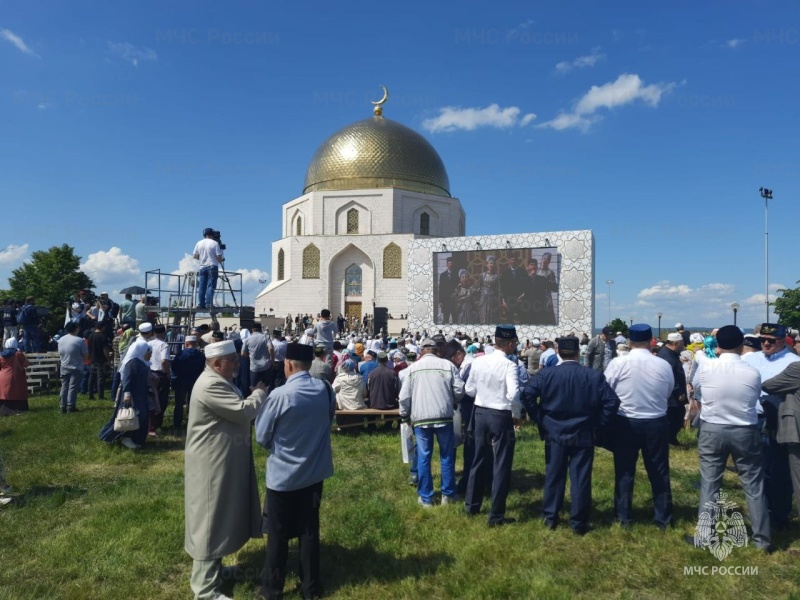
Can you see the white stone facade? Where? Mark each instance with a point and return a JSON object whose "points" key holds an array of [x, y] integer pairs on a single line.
{"points": [[384, 216]]}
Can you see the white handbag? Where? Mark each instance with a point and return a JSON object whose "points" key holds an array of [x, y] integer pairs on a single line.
{"points": [[126, 420]]}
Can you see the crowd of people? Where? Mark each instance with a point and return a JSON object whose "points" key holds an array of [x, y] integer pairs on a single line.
{"points": [[630, 395]]}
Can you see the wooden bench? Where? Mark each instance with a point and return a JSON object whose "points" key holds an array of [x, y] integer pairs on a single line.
{"points": [[370, 416]]}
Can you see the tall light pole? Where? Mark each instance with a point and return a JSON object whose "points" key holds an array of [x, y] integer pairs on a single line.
{"points": [[735, 307], [659, 325], [767, 196], [609, 282]]}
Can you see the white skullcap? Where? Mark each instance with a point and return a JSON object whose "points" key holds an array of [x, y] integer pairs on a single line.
{"points": [[309, 331], [674, 337], [191, 338], [220, 349], [145, 328], [537, 342]]}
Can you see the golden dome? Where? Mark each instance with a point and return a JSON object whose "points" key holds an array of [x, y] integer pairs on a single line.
{"points": [[377, 153]]}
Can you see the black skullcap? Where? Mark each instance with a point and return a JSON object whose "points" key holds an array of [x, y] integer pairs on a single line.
{"points": [[569, 343], [729, 337], [752, 341], [301, 352], [505, 332]]}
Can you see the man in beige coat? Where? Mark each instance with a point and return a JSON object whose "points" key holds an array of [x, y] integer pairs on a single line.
{"points": [[223, 509]]}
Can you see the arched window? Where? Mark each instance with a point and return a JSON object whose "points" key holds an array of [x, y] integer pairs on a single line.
{"points": [[352, 280], [352, 220], [424, 224], [280, 264], [392, 262], [311, 262], [299, 226]]}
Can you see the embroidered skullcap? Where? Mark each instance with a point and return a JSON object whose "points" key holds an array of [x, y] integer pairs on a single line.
{"points": [[220, 349]]}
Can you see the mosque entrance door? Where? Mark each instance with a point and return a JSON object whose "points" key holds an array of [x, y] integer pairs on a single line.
{"points": [[352, 309]]}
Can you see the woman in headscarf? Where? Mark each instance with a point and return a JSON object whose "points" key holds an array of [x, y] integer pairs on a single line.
{"points": [[489, 293], [13, 379], [464, 299], [349, 387], [135, 369]]}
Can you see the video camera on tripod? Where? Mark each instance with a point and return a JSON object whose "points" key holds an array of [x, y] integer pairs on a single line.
{"points": [[216, 235]]}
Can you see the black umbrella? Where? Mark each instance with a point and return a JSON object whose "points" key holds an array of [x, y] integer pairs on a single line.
{"points": [[134, 290]]}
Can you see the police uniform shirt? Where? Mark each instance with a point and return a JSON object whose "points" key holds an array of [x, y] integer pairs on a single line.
{"points": [[770, 366], [493, 382], [643, 383], [280, 350]]}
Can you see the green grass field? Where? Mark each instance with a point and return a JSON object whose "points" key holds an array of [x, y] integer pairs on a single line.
{"points": [[93, 521]]}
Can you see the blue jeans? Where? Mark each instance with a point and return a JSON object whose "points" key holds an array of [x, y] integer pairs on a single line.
{"points": [[70, 382], [447, 451], [206, 284], [31, 338]]}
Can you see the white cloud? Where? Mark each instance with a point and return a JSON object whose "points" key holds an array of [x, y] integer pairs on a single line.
{"points": [[514, 33], [112, 267], [12, 254], [250, 283], [131, 53], [452, 118], [627, 88], [588, 60], [734, 43], [17, 41]]}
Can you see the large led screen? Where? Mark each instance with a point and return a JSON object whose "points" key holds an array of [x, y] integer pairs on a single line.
{"points": [[487, 287]]}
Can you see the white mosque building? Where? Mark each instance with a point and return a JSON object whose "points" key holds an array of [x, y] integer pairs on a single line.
{"points": [[370, 189]]}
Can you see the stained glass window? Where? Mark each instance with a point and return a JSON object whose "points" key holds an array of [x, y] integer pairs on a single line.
{"points": [[425, 224], [352, 280], [311, 262], [352, 220], [392, 262], [280, 264]]}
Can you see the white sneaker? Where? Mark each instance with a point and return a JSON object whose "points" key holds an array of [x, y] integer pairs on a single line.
{"points": [[4, 501], [454, 499], [129, 443], [422, 503]]}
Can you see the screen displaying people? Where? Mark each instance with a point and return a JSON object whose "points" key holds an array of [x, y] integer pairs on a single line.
{"points": [[485, 287]]}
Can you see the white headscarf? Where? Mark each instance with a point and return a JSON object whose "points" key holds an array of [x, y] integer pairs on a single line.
{"points": [[136, 350], [11, 343], [244, 333]]}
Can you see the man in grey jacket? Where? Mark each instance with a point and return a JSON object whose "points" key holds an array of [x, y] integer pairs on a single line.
{"points": [[431, 390], [787, 385], [601, 350]]}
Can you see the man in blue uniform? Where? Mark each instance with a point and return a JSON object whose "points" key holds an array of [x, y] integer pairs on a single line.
{"points": [[771, 361], [295, 426], [574, 404]]}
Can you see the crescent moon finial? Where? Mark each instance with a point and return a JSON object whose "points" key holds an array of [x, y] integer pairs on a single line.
{"points": [[378, 110]]}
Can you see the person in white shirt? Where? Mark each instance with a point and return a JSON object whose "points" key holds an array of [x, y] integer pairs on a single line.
{"points": [[729, 389], [643, 383], [160, 367], [493, 382], [209, 253]]}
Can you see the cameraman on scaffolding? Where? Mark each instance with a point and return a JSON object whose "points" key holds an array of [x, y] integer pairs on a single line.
{"points": [[209, 252]]}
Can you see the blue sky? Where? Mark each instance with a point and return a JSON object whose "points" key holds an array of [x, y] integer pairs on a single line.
{"points": [[129, 127]]}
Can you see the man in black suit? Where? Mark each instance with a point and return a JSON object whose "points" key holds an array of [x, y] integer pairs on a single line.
{"points": [[448, 280], [534, 303], [512, 282], [575, 405]]}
